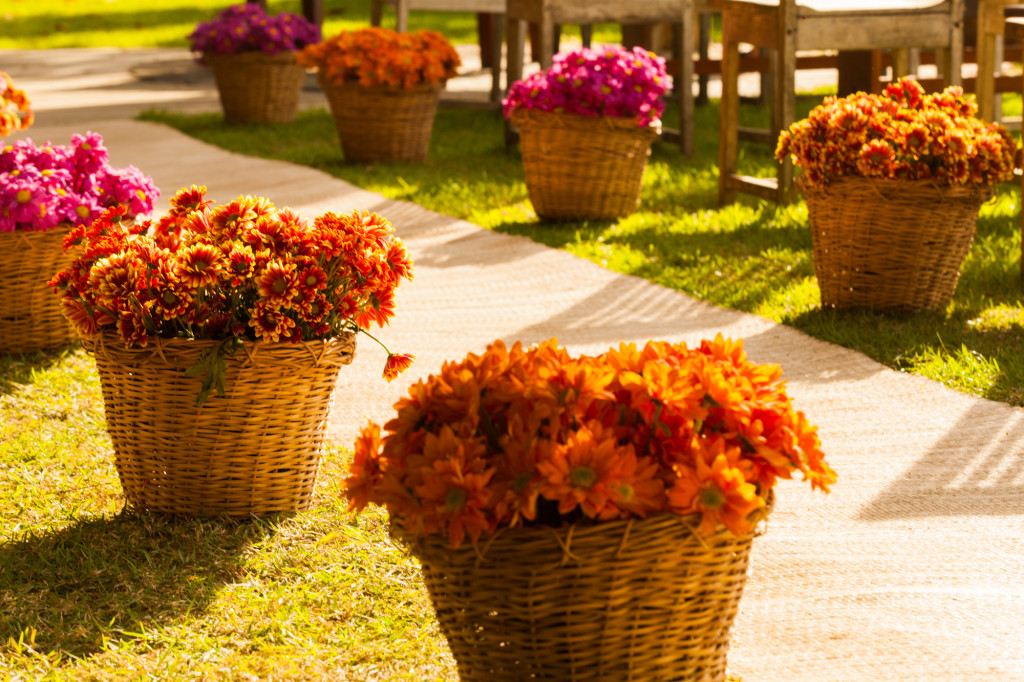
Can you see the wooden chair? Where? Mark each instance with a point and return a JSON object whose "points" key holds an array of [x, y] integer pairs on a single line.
{"points": [[789, 26], [550, 13], [1014, 29], [495, 7], [991, 18]]}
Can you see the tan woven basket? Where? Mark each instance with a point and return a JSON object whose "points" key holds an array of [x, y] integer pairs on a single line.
{"points": [[578, 167], [30, 312], [256, 87], [625, 601], [890, 244], [383, 123], [255, 450]]}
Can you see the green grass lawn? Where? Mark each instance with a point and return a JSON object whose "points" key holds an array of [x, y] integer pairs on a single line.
{"points": [[37, 24], [89, 593], [751, 256]]}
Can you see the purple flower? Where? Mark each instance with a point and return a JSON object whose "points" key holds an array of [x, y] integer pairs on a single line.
{"points": [[248, 28]]}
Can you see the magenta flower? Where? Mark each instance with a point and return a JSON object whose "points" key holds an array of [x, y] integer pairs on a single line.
{"points": [[248, 28], [608, 81], [25, 199], [44, 187]]}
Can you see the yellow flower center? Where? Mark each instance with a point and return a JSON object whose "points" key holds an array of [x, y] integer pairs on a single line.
{"points": [[82, 211], [711, 497], [23, 196], [583, 477], [455, 499]]}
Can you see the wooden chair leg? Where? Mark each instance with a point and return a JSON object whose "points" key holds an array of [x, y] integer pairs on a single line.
{"points": [[684, 84], [402, 16], [703, 41], [728, 121], [785, 101], [497, 32], [515, 32]]}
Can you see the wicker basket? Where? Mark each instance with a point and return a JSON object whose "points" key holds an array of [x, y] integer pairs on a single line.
{"points": [[625, 601], [382, 123], [256, 87], [30, 312], [578, 167], [256, 450], [890, 244]]}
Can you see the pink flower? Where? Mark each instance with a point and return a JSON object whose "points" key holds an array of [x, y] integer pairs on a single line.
{"points": [[610, 81], [51, 185]]}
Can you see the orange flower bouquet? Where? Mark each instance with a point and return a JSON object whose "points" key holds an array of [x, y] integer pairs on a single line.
{"points": [[903, 133], [383, 88], [244, 299], [533, 437], [15, 108], [244, 271], [379, 56], [894, 184], [573, 514]]}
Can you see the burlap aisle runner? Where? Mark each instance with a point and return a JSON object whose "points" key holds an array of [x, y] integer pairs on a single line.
{"points": [[912, 569]]}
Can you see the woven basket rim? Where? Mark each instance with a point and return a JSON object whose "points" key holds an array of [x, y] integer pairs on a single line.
{"points": [[284, 56], [563, 119], [565, 535], [899, 186], [390, 89], [30, 236], [336, 350]]}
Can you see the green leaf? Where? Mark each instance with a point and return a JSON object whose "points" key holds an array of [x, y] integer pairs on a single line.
{"points": [[213, 369]]}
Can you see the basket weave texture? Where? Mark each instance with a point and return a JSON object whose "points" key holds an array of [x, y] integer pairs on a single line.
{"points": [[30, 312], [890, 244], [256, 450], [382, 123], [258, 88], [577, 167], [625, 600]]}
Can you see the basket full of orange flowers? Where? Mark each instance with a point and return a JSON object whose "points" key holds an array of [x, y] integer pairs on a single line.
{"points": [[219, 333], [587, 517], [894, 183], [383, 88]]}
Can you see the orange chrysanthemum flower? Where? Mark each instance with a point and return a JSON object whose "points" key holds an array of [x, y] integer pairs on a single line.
{"points": [[364, 470], [269, 322], [396, 364], [378, 56], [715, 488], [536, 437], [278, 283], [585, 472], [245, 270], [200, 265], [453, 495], [903, 133]]}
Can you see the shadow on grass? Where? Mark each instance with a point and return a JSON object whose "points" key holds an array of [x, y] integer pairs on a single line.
{"points": [[18, 369], [103, 578]]}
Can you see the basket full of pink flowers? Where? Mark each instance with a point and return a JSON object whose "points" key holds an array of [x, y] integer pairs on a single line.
{"points": [[44, 192], [586, 127]]}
